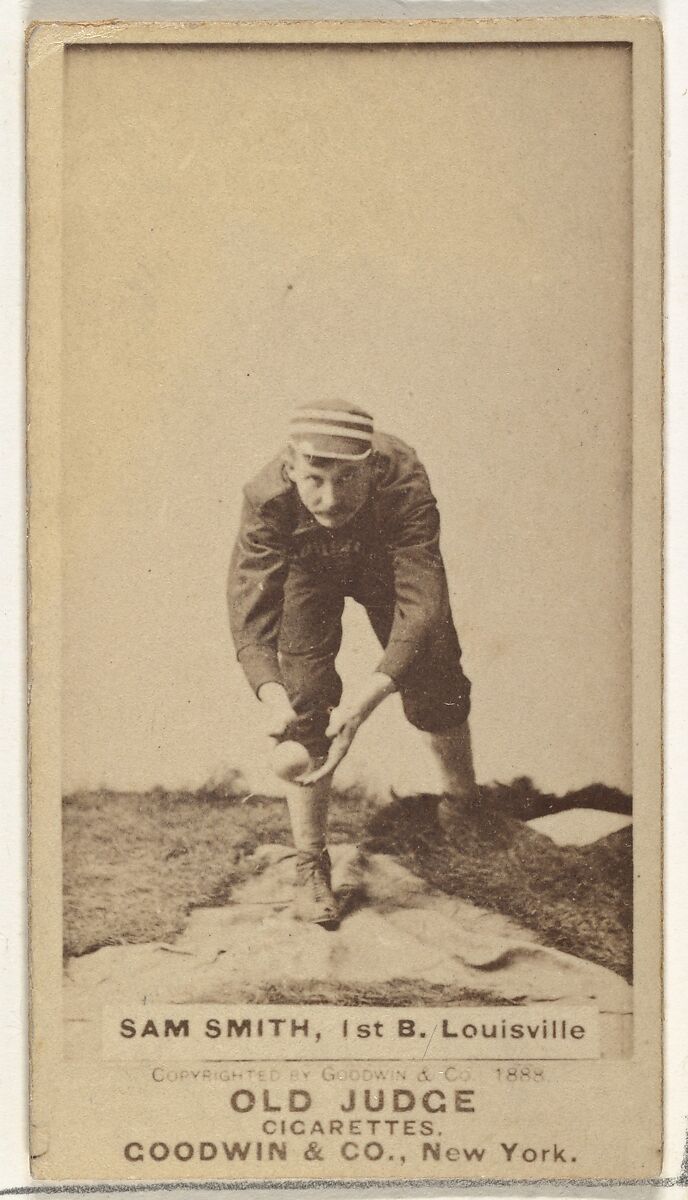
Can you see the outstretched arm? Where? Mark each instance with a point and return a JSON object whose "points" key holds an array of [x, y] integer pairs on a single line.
{"points": [[356, 709], [255, 593], [421, 598], [346, 720]]}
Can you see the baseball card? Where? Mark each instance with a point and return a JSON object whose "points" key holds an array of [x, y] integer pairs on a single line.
{"points": [[345, 472]]}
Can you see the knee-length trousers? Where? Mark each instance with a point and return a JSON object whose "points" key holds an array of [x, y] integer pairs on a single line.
{"points": [[435, 692]]}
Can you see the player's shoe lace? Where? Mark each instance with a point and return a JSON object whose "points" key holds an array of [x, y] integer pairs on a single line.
{"points": [[313, 900]]}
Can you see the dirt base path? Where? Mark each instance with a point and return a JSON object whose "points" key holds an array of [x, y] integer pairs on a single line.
{"points": [[395, 929]]}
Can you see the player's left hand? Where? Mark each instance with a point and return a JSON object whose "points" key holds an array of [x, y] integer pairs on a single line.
{"points": [[346, 720], [344, 724]]}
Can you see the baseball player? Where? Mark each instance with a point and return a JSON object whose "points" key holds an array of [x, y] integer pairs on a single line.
{"points": [[344, 510]]}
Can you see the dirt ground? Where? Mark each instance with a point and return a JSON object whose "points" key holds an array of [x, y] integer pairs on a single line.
{"points": [[135, 866]]}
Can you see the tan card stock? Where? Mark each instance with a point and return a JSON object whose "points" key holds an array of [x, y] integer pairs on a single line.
{"points": [[453, 227]]}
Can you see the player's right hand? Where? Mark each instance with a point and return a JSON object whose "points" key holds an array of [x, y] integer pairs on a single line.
{"points": [[277, 712]]}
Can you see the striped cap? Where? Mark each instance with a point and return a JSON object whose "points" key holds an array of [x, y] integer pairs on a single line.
{"points": [[332, 429]]}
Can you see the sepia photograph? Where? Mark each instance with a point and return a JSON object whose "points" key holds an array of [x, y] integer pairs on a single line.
{"points": [[345, 596]]}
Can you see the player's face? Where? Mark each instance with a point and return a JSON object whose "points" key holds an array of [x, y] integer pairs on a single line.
{"points": [[332, 491]]}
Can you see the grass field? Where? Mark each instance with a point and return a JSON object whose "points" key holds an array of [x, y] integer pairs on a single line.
{"points": [[136, 865]]}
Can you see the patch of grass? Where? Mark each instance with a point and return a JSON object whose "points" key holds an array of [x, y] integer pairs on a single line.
{"points": [[393, 993], [521, 799], [135, 865], [577, 899]]}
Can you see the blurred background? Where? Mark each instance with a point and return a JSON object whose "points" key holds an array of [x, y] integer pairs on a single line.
{"points": [[440, 233]]}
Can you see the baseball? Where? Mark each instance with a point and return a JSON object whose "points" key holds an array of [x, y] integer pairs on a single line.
{"points": [[289, 760]]}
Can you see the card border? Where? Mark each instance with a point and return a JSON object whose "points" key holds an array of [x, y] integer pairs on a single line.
{"points": [[46, 45]]}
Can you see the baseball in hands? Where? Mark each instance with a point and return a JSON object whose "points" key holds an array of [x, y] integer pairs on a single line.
{"points": [[289, 760]]}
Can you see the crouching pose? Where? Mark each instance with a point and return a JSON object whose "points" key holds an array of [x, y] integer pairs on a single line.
{"points": [[344, 511]]}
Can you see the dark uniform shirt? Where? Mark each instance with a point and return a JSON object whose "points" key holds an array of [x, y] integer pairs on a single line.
{"points": [[396, 533]]}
